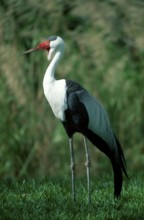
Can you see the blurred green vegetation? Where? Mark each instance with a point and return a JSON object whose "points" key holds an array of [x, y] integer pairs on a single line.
{"points": [[104, 52]]}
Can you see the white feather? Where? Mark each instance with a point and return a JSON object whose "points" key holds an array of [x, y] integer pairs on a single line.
{"points": [[55, 93]]}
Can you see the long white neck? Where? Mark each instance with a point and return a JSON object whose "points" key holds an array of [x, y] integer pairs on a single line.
{"points": [[55, 90], [49, 74]]}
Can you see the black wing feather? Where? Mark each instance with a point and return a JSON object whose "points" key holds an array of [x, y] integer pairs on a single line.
{"points": [[76, 117]]}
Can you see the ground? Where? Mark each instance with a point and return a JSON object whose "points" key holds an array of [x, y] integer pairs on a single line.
{"points": [[50, 198]]}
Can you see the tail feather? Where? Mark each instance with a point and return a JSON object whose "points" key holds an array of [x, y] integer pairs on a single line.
{"points": [[116, 157], [119, 165], [118, 179], [122, 158]]}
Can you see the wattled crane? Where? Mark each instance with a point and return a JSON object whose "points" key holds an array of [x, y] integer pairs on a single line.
{"points": [[80, 112]]}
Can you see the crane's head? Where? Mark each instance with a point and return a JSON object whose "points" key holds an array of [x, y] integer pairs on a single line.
{"points": [[51, 45]]}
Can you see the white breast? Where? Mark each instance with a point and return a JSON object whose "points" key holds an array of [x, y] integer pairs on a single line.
{"points": [[55, 93]]}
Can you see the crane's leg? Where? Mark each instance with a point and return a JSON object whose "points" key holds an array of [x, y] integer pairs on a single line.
{"points": [[72, 166], [87, 164]]}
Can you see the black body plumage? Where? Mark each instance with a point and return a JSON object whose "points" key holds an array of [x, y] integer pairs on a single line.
{"points": [[77, 119]]}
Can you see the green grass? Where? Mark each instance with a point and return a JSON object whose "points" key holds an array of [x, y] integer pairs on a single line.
{"points": [[51, 199]]}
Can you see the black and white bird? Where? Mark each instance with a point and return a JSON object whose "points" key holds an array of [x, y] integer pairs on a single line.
{"points": [[80, 112]]}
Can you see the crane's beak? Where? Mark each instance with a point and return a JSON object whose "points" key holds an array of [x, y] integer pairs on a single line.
{"points": [[31, 50], [42, 46]]}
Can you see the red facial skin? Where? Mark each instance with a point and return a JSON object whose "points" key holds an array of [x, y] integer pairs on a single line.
{"points": [[44, 45]]}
